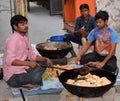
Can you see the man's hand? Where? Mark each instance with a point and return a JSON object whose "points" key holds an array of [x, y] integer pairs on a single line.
{"points": [[33, 64], [77, 60], [97, 64], [49, 62], [83, 31]]}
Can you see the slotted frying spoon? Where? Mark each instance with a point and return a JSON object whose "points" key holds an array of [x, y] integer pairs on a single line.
{"points": [[82, 70]]}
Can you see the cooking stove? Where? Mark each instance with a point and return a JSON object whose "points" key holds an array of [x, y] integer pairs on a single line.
{"points": [[56, 51], [60, 61]]}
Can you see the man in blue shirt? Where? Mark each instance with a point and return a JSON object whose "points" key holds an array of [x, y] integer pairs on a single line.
{"points": [[105, 39], [84, 24]]}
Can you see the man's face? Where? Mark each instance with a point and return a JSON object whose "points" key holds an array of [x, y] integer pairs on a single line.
{"points": [[101, 23], [84, 12], [22, 27]]}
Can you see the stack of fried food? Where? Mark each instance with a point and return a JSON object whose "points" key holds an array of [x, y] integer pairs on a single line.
{"points": [[51, 72], [89, 80], [49, 48]]}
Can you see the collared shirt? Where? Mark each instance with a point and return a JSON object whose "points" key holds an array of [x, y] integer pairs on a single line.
{"points": [[103, 40], [89, 25], [16, 47]]}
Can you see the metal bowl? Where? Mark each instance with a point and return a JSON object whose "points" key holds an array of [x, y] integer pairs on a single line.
{"points": [[87, 92], [62, 49]]}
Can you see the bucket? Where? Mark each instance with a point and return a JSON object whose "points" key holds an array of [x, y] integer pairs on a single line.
{"points": [[57, 38]]}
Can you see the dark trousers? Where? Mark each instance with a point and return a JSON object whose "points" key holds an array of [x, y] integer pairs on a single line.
{"points": [[73, 38], [33, 76], [111, 65]]}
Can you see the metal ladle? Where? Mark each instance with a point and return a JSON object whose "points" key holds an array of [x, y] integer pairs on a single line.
{"points": [[83, 70]]}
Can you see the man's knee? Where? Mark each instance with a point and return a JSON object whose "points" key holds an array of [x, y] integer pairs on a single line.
{"points": [[87, 58], [66, 37], [37, 79]]}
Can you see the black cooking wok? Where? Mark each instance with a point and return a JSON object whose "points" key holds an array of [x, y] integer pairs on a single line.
{"points": [[62, 49], [86, 91]]}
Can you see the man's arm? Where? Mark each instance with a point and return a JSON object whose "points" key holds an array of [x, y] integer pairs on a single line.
{"points": [[81, 31], [83, 51], [39, 58], [99, 64], [32, 64]]}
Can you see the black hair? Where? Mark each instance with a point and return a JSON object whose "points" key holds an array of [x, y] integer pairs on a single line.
{"points": [[15, 20], [82, 6], [102, 15]]}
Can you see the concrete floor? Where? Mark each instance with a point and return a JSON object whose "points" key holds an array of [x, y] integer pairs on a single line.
{"points": [[41, 27]]}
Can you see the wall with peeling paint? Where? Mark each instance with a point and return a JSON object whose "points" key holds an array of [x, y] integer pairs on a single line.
{"points": [[113, 8]]}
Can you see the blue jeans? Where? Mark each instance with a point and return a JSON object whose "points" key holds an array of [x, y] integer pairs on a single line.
{"points": [[33, 76], [74, 38]]}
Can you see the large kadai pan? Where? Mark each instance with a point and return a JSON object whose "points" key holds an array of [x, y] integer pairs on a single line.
{"points": [[87, 92], [62, 49]]}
